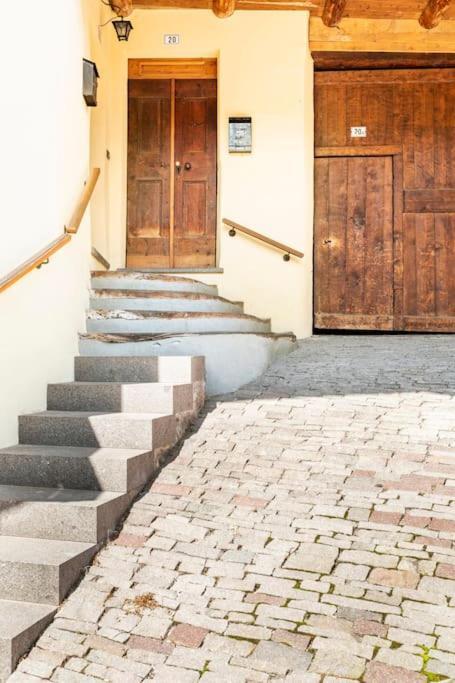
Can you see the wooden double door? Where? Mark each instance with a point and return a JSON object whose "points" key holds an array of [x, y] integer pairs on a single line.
{"points": [[172, 162], [385, 203]]}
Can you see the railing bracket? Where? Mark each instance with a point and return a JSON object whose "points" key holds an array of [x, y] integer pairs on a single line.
{"points": [[232, 232]]}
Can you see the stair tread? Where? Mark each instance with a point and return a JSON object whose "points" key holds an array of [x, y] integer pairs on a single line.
{"points": [[137, 275], [74, 497], [86, 414], [146, 385], [17, 617], [143, 336], [40, 551], [120, 454], [171, 315], [150, 294]]}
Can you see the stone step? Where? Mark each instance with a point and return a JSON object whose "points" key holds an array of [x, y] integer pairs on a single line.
{"points": [[150, 281], [148, 431], [39, 570], [143, 300], [100, 469], [120, 397], [231, 359], [154, 322], [60, 514], [21, 623], [111, 368]]}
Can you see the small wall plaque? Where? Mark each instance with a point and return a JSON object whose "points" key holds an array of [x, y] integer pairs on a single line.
{"points": [[240, 134], [90, 83], [358, 132], [171, 39]]}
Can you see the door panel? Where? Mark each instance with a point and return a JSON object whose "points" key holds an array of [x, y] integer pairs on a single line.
{"points": [[354, 243], [149, 117], [195, 183]]}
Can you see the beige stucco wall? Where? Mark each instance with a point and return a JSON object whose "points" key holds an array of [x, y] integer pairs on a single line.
{"points": [[44, 161], [265, 70]]}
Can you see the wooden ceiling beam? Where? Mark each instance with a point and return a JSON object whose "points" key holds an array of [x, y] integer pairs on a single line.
{"points": [[123, 8], [333, 12], [224, 8], [239, 4], [433, 12]]}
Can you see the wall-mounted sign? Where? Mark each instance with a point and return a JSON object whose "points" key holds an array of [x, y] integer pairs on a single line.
{"points": [[240, 134], [358, 132], [171, 39], [90, 82]]}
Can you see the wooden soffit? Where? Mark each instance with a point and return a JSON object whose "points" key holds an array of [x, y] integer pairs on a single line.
{"points": [[430, 12], [172, 68]]}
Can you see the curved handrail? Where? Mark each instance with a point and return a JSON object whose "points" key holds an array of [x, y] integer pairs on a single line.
{"points": [[288, 251], [42, 257]]}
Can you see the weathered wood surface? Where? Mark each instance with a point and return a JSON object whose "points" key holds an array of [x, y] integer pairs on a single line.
{"points": [[412, 110], [224, 8], [433, 12], [333, 12]]}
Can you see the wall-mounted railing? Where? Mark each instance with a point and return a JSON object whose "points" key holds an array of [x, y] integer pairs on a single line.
{"points": [[287, 251], [42, 257]]}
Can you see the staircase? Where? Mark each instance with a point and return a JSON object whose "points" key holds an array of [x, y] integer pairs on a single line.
{"points": [[76, 470], [144, 314]]}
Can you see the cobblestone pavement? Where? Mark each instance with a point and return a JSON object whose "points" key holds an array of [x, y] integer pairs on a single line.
{"points": [[304, 533]]}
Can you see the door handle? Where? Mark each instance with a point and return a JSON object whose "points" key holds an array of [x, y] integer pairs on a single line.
{"points": [[178, 166], [188, 166]]}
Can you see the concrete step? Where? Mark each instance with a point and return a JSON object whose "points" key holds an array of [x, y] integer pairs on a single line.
{"points": [[143, 300], [111, 368], [39, 570], [154, 322], [100, 469], [231, 359], [131, 279], [60, 514], [21, 623], [120, 397], [148, 431]]}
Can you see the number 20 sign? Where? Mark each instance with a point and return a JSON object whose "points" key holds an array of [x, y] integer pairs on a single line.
{"points": [[171, 39]]}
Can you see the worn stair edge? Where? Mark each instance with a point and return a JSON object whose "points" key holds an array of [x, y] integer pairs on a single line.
{"points": [[21, 624], [120, 397], [161, 294], [172, 315], [61, 514], [39, 570], [134, 321], [100, 469], [125, 337], [150, 281], [148, 431]]}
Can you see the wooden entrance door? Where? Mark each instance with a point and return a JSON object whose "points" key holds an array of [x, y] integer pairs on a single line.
{"points": [[385, 272], [354, 243], [171, 173]]}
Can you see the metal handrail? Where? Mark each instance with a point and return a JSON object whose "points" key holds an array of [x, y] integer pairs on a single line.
{"points": [[288, 251]]}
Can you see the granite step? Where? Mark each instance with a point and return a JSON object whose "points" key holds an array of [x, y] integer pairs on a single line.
{"points": [[148, 431], [149, 281], [120, 397], [114, 368], [155, 322], [60, 514], [144, 300], [101, 469], [21, 623], [39, 570]]}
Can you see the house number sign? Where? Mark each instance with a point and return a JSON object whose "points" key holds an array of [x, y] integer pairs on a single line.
{"points": [[358, 132], [171, 39]]}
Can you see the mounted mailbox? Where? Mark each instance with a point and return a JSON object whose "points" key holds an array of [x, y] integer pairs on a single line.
{"points": [[90, 83], [240, 134]]}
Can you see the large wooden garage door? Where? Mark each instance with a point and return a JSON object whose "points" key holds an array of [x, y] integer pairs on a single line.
{"points": [[407, 118]]}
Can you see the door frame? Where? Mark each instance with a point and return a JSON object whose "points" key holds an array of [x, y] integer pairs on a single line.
{"points": [[174, 69], [396, 152]]}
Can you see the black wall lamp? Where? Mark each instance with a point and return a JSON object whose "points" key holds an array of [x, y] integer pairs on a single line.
{"points": [[123, 28]]}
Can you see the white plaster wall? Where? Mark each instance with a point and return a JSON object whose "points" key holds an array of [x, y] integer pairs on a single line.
{"points": [[266, 71], [44, 162]]}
